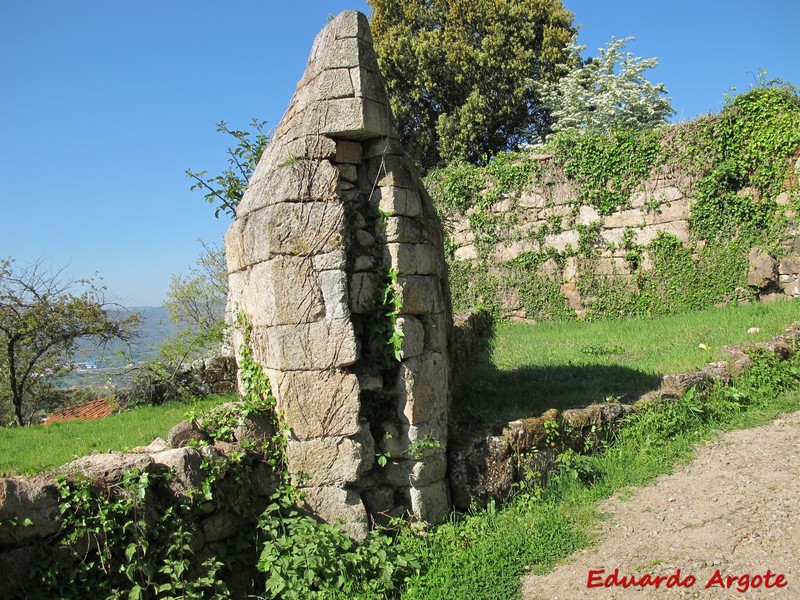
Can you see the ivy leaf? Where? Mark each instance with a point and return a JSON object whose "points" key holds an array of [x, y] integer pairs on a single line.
{"points": [[130, 552]]}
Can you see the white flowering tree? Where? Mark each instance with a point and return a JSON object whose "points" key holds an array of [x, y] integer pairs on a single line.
{"points": [[608, 92]]}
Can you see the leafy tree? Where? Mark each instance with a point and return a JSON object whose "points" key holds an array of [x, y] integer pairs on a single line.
{"points": [[459, 72], [608, 92], [196, 301], [42, 315], [226, 189], [196, 304]]}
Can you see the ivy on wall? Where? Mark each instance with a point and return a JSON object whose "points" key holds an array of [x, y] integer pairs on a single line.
{"points": [[740, 161], [679, 279], [136, 539], [607, 168], [750, 144]]}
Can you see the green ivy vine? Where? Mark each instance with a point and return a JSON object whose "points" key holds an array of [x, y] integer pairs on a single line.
{"points": [[739, 160], [607, 168], [752, 145], [137, 540]]}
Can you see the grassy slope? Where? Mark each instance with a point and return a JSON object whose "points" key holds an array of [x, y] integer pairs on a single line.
{"points": [[484, 554], [559, 364], [37, 448]]}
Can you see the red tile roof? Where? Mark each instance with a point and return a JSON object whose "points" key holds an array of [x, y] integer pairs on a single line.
{"points": [[96, 409]]}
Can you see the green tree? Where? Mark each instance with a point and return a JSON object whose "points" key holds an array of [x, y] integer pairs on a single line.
{"points": [[42, 315], [196, 302], [607, 92], [459, 72], [226, 189]]}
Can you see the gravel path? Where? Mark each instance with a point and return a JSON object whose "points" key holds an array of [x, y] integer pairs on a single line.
{"points": [[734, 510]]}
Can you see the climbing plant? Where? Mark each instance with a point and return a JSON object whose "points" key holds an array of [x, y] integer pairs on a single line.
{"points": [[137, 539], [607, 167], [740, 161], [751, 145]]}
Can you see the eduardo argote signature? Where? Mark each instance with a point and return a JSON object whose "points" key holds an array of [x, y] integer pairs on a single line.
{"points": [[597, 578]]}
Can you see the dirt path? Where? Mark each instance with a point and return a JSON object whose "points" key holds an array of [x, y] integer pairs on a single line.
{"points": [[735, 508]]}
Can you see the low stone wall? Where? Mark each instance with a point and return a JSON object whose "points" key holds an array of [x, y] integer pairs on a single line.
{"points": [[775, 279], [211, 375], [201, 377], [31, 507], [547, 218], [486, 462]]}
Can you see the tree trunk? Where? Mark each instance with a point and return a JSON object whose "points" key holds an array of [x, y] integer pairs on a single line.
{"points": [[16, 392], [18, 410]]}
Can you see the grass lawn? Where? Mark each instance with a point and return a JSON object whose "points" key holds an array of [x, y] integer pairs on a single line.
{"points": [[558, 364], [25, 450], [484, 553]]}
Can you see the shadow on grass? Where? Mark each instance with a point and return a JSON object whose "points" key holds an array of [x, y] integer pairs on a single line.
{"points": [[490, 396]]}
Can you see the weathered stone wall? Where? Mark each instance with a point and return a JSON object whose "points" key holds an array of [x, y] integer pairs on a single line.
{"points": [[31, 512], [662, 203], [775, 279], [212, 375], [335, 251]]}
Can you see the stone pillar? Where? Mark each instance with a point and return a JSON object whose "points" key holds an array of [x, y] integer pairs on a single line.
{"points": [[335, 250]]}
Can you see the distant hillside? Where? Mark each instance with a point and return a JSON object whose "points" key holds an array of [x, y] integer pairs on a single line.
{"points": [[154, 328]]}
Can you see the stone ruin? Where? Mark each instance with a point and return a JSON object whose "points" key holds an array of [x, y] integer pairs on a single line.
{"points": [[336, 251]]}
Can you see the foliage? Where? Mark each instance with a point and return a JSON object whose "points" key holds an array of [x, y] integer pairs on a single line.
{"points": [[607, 167], [739, 160], [42, 315], [460, 185], [750, 145], [723, 213], [456, 187], [561, 364], [197, 303], [199, 298], [458, 72], [539, 293], [484, 552], [391, 306], [378, 328], [303, 558], [257, 397], [758, 130], [226, 189], [607, 93], [132, 540], [472, 287], [129, 540], [136, 539], [678, 280]]}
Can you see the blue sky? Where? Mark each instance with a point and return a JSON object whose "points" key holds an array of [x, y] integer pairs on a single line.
{"points": [[105, 104]]}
